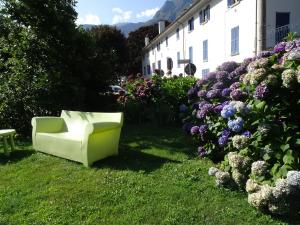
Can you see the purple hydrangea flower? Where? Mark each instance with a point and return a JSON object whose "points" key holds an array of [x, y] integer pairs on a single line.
{"points": [[261, 92], [228, 111], [187, 127], [265, 54], [223, 139], [247, 134], [235, 85], [202, 94], [192, 93], [218, 85], [216, 93], [202, 152], [194, 130], [228, 66], [226, 92], [201, 104], [290, 46], [211, 76], [280, 47], [237, 94], [297, 41], [183, 108], [222, 76], [204, 110], [236, 125], [218, 108], [199, 83], [203, 129]]}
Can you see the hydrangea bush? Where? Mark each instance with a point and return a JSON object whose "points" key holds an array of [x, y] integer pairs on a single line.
{"points": [[154, 99], [250, 112]]}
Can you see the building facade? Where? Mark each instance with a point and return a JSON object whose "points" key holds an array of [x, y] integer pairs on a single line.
{"points": [[211, 32]]}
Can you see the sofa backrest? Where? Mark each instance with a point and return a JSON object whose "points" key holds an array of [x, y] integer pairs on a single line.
{"points": [[76, 121]]}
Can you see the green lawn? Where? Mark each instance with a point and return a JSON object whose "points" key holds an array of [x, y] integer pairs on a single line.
{"points": [[156, 179]]}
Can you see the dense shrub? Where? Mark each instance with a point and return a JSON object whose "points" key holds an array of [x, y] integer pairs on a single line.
{"points": [[154, 99], [249, 113]]}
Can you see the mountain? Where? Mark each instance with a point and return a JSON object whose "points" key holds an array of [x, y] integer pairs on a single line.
{"points": [[169, 11]]}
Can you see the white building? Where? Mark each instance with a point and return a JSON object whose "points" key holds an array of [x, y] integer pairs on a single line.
{"points": [[211, 32]]}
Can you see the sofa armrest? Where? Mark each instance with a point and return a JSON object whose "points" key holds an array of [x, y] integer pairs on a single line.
{"points": [[48, 124], [102, 126]]}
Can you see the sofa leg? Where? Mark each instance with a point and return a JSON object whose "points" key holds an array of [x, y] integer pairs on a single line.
{"points": [[87, 164]]}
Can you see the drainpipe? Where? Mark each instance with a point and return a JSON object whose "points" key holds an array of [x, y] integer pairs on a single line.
{"points": [[261, 25]]}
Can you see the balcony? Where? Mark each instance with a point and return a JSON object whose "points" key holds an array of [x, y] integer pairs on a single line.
{"points": [[281, 33]]}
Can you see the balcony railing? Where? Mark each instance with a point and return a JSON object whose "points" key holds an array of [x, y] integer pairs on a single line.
{"points": [[281, 33]]}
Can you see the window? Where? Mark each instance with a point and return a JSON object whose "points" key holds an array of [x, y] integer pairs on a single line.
{"points": [[167, 41], [177, 34], [153, 67], [191, 24], [231, 3], [235, 41], [158, 46], [169, 63], [159, 64], [148, 70], [205, 50], [205, 73], [204, 15], [191, 54], [178, 58], [282, 26]]}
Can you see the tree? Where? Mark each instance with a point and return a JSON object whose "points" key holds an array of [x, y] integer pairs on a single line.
{"points": [[40, 48], [135, 43], [110, 53]]}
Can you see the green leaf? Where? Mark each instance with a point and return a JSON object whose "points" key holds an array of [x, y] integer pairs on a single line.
{"points": [[288, 158], [298, 142], [260, 105], [284, 148]]}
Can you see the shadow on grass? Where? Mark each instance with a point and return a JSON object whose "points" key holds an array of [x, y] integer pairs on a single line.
{"points": [[170, 139], [134, 160], [15, 156], [292, 219]]}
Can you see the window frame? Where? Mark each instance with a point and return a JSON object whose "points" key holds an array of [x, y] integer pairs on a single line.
{"points": [[205, 50], [191, 54], [232, 3], [177, 33], [204, 15], [235, 41], [191, 24], [205, 73], [178, 58]]}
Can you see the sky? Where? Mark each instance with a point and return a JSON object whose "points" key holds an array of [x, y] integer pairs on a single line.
{"points": [[116, 11]]}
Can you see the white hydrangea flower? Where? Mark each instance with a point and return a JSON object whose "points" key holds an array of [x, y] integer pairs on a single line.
{"points": [[212, 171], [240, 141], [293, 178], [252, 186], [222, 178], [259, 168], [238, 162], [282, 189], [261, 198], [257, 76], [289, 78], [246, 79], [239, 178], [264, 128], [293, 55]]}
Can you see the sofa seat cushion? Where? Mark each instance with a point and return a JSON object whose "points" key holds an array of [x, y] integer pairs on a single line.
{"points": [[60, 144]]}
